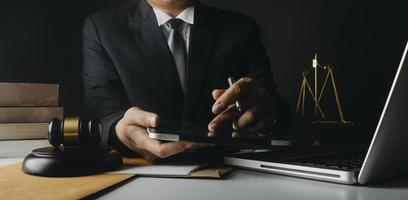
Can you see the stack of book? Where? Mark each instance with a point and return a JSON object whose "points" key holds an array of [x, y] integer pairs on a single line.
{"points": [[25, 110]]}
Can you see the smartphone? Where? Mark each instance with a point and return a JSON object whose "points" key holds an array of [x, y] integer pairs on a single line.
{"points": [[174, 131]]}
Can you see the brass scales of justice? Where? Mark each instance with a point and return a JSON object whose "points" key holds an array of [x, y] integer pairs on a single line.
{"points": [[319, 115]]}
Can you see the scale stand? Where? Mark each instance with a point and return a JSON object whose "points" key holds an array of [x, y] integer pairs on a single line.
{"points": [[319, 115]]}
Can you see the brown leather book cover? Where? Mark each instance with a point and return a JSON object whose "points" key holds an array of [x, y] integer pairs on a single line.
{"points": [[28, 94], [23, 131], [30, 114], [15, 184]]}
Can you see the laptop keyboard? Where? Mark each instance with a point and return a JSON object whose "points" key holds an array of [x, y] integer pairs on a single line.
{"points": [[347, 161]]}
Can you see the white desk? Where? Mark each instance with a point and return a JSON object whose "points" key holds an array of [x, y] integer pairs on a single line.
{"points": [[250, 185]]}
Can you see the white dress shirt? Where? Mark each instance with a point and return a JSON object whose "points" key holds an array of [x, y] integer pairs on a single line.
{"points": [[187, 16]]}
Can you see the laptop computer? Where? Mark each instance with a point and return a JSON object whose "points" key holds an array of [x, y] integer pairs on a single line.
{"points": [[384, 158]]}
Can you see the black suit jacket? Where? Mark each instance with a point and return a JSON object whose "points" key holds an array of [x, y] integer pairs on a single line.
{"points": [[127, 62]]}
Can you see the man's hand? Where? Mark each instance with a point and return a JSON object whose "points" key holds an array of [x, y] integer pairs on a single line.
{"points": [[131, 131], [258, 110]]}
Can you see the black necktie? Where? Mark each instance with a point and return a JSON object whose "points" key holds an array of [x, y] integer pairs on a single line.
{"points": [[178, 49]]}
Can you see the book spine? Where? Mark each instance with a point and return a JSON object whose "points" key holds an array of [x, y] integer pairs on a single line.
{"points": [[30, 114], [28, 94], [23, 131]]}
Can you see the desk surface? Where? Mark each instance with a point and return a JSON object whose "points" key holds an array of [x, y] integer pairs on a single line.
{"points": [[243, 184]]}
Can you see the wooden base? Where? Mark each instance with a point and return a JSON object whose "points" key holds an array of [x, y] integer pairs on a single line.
{"points": [[69, 162]]}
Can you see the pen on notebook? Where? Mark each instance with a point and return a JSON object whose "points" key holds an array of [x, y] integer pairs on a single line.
{"points": [[231, 81]]}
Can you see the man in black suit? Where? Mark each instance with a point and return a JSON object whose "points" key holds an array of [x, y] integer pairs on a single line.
{"points": [[170, 59]]}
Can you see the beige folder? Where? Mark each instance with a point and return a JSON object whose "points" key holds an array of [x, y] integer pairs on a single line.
{"points": [[15, 185]]}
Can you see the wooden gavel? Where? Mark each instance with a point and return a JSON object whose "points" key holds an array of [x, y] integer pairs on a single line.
{"points": [[74, 131]]}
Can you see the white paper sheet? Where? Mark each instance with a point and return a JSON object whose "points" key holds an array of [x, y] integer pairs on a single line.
{"points": [[9, 161], [164, 170], [20, 148]]}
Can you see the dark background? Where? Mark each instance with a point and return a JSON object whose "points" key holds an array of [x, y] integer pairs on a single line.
{"points": [[40, 41]]}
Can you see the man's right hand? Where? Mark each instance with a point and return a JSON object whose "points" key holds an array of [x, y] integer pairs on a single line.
{"points": [[131, 131]]}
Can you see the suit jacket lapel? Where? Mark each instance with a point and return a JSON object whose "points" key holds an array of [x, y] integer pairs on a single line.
{"points": [[153, 43], [202, 41]]}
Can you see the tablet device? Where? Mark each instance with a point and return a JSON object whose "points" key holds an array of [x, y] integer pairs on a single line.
{"points": [[198, 132]]}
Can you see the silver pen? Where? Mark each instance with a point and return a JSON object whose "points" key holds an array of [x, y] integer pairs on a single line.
{"points": [[231, 81]]}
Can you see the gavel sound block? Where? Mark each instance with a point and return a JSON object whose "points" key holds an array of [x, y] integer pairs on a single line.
{"points": [[75, 151]]}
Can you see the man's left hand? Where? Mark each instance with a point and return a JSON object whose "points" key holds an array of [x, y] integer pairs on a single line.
{"points": [[258, 111]]}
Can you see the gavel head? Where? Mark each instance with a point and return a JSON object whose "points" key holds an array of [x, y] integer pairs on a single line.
{"points": [[74, 131]]}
